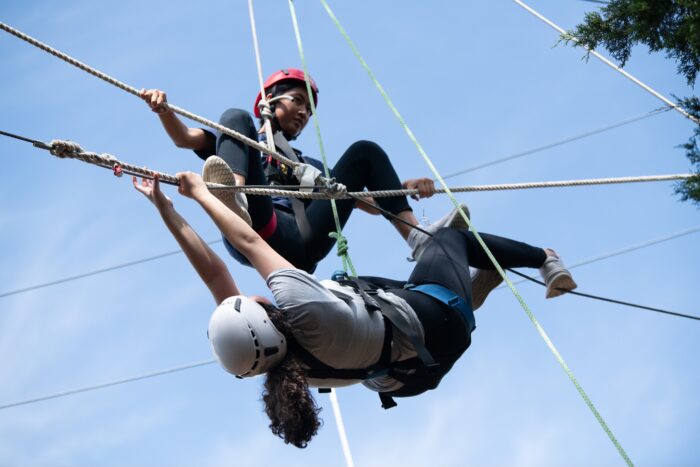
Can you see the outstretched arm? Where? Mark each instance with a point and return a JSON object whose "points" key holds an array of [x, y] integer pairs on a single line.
{"points": [[208, 264], [182, 136], [261, 255]]}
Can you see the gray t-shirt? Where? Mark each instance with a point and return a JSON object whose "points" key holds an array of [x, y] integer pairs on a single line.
{"points": [[338, 330]]}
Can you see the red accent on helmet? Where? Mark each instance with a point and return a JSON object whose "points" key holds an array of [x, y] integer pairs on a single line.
{"points": [[284, 75]]}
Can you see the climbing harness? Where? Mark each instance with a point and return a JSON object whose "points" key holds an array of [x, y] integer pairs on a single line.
{"points": [[422, 373]]}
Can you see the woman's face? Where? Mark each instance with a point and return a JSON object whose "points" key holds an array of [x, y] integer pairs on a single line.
{"points": [[293, 114]]}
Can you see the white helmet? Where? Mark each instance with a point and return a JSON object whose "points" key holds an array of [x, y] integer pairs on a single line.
{"points": [[243, 338]]}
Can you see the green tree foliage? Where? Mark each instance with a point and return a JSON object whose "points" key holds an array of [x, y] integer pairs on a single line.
{"points": [[671, 26]]}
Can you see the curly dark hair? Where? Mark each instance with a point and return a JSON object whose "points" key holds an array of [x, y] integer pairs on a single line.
{"points": [[288, 402]]}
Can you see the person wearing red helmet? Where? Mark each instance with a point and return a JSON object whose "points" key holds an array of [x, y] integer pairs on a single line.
{"points": [[298, 230]]}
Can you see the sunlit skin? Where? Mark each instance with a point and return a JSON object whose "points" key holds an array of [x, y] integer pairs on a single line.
{"points": [[292, 114]]}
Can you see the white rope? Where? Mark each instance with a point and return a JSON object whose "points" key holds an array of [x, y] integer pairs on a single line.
{"points": [[264, 105], [69, 149], [639, 83], [131, 90], [105, 385], [561, 142], [341, 429]]}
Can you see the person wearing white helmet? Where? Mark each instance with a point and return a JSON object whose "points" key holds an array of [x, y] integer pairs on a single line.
{"points": [[398, 338]]}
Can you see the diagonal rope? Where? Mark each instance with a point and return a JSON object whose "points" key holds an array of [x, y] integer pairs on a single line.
{"points": [[106, 385], [96, 272], [566, 36], [265, 106], [131, 90], [182, 368], [561, 142], [341, 241], [605, 299], [527, 310]]}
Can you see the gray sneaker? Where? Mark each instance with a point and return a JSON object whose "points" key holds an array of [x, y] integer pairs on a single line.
{"points": [[483, 282], [452, 219], [556, 277], [216, 170]]}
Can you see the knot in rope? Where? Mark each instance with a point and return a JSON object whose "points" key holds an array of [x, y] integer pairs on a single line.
{"points": [[265, 109], [63, 149], [334, 189], [341, 242]]}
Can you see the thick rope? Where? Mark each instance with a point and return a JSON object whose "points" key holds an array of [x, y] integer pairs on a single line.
{"points": [[566, 36], [131, 90], [69, 149], [341, 241], [525, 307]]}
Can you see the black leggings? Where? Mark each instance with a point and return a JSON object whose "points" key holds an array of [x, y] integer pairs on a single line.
{"points": [[446, 261], [363, 166]]}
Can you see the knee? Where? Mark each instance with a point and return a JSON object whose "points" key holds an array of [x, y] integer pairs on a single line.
{"points": [[238, 120], [368, 150]]}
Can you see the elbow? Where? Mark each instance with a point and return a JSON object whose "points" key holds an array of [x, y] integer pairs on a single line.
{"points": [[182, 144]]}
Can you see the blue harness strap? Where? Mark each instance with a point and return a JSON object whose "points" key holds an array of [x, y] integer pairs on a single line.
{"points": [[449, 298]]}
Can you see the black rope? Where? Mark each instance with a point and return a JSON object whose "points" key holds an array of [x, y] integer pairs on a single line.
{"points": [[36, 143], [525, 276], [98, 271], [356, 198], [610, 300]]}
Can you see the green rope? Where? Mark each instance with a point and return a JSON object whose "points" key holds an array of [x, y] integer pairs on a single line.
{"points": [[342, 242], [529, 313]]}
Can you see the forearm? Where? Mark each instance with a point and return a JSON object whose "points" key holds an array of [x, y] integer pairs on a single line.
{"points": [[242, 237], [181, 134], [208, 265]]}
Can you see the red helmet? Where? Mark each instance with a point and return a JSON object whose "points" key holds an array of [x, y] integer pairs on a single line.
{"points": [[284, 75]]}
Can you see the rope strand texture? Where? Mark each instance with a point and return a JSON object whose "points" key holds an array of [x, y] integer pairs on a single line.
{"points": [[131, 90], [72, 150]]}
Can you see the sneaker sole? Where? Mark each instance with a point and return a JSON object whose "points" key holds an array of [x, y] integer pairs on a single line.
{"points": [[485, 280], [216, 170], [561, 284]]}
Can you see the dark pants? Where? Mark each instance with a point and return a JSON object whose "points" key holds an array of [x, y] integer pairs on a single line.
{"points": [[446, 262], [363, 166]]}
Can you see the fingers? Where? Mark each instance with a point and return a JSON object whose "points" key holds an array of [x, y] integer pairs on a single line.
{"points": [[156, 99], [426, 187]]}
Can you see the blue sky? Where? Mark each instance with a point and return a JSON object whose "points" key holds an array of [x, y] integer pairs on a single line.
{"points": [[475, 81]]}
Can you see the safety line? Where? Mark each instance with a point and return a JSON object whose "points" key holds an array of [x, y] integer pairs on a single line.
{"points": [[106, 385], [131, 90], [335, 403], [558, 143], [527, 310], [604, 299], [567, 36], [623, 251], [95, 272], [341, 241], [267, 123], [332, 190], [532, 279]]}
